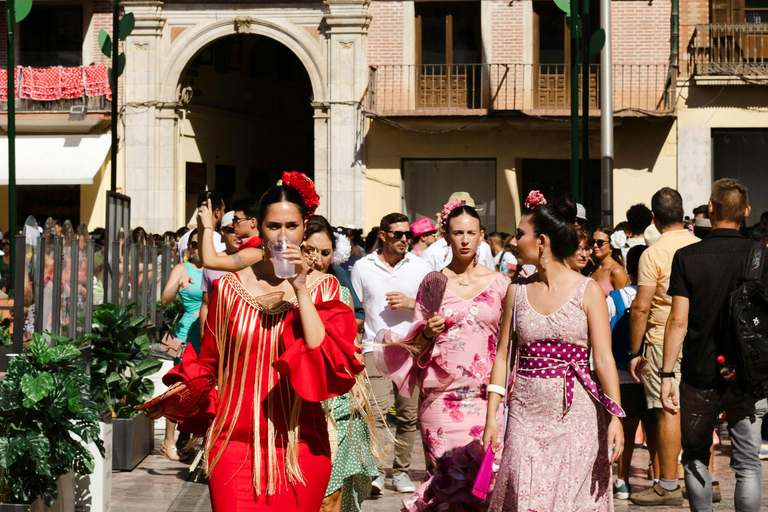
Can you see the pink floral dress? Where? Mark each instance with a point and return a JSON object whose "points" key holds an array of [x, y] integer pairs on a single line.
{"points": [[453, 377], [555, 455]]}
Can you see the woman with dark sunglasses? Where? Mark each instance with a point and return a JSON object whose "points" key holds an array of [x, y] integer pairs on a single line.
{"points": [[610, 273]]}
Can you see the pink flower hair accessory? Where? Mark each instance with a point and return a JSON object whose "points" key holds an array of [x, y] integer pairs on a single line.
{"points": [[534, 199], [448, 208]]}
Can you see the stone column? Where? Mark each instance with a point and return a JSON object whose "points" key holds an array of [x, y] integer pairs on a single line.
{"points": [[346, 27], [148, 144]]}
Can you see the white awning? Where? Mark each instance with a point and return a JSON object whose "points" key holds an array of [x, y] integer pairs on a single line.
{"points": [[60, 160]]}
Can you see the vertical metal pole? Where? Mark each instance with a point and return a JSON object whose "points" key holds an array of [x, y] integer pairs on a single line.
{"points": [[166, 272], [134, 274], [73, 286], [10, 15], [126, 273], [606, 116], [88, 325], [18, 302], [574, 13], [153, 292], [113, 84], [585, 76], [39, 288], [114, 255], [674, 51], [145, 280], [58, 259]]}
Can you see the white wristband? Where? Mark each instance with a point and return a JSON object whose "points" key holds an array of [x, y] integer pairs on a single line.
{"points": [[499, 390]]}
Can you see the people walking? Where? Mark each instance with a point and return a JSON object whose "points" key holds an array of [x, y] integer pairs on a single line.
{"points": [[276, 348], [702, 276], [648, 319], [184, 281], [423, 235], [449, 358], [439, 254], [559, 444], [386, 281]]}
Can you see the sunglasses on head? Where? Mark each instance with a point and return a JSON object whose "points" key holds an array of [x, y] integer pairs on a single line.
{"points": [[599, 243], [400, 234], [227, 230]]}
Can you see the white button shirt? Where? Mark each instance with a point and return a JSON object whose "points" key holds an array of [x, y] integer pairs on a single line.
{"points": [[439, 255], [372, 280]]}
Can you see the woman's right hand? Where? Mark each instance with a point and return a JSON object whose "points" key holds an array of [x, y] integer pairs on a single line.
{"points": [[491, 434], [435, 326], [205, 215]]}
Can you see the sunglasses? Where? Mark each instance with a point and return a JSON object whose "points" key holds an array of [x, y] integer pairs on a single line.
{"points": [[192, 245], [400, 234], [599, 243], [238, 220], [227, 230]]}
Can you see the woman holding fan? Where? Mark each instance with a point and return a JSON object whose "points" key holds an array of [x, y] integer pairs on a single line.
{"points": [[448, 354], [276, 347]]}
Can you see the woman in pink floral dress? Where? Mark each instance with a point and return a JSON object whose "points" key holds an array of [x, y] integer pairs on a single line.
{"points": [[450, 361], [560, 441]]}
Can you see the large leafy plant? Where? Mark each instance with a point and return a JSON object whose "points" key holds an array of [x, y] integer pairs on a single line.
{"points": [[6, 337], [172, 313], [44, 422], [120, 362]]}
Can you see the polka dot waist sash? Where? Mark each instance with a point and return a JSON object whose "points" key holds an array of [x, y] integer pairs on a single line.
{"points": [[553, 359]]}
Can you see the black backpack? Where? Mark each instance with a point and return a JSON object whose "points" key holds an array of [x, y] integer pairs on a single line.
{"points": [[745, 326]]}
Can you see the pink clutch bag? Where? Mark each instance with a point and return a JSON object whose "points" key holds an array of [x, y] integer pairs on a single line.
{"points": [[484, 474]]}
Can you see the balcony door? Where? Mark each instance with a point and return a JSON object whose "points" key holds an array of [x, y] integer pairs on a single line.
{"points": [[448, 54], [551, 56]]}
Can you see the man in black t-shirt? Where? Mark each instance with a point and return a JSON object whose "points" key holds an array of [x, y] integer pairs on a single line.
{"points": [[702, 276]]}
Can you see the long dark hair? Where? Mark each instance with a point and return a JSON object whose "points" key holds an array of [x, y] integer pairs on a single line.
{"points": [[556, 220], [608, 230], [279, 194], [319, 224]]}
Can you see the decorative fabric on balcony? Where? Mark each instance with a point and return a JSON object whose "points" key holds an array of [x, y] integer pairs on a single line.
{"points": [[69, 160], [57, 83]]}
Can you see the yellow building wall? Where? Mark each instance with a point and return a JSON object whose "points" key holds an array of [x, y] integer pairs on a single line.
{"points": [[644, 159]]}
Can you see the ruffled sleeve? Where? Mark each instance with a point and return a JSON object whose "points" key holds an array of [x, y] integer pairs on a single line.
{"points": [[193, 365], [320, 373]]}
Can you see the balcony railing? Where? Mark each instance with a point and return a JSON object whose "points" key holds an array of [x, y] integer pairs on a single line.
{"points": [[540, 89], [92, 104], [729, 49], [57, 89]]}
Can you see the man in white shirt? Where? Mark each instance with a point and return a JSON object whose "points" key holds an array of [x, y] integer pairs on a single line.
{"points": [[439, 255], [386, 281]]}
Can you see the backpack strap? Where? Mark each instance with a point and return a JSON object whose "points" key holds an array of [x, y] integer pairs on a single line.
{"points": [[755, 263]]}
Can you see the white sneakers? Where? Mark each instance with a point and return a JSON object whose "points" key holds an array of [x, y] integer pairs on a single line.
{"points": [[402, 483]]}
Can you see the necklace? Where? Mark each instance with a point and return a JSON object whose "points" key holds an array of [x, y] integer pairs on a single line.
{"points": [[463, 284]]}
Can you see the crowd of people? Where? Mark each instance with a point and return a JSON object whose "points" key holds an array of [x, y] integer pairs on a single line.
{"points": [[527, 363]]}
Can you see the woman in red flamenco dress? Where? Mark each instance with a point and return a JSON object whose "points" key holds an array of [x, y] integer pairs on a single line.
{"points": [[273, 360]]}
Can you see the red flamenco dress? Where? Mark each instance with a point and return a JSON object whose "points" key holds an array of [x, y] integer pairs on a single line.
{"points": [[267, 442]]}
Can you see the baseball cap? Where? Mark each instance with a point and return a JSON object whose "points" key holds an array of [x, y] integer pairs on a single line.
{"points": [[422, 226], [464, 196], [228, 219]]}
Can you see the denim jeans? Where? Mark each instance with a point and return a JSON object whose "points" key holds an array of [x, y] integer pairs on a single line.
{"points": [[699, 409]]}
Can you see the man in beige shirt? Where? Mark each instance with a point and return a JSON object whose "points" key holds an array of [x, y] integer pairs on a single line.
{"points": [[647, 320]]}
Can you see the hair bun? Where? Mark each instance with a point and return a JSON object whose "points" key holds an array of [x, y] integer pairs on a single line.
{"points": [[565, 207]]}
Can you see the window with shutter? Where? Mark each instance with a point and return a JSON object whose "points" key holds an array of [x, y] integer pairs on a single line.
{"points": [[728, 11]]}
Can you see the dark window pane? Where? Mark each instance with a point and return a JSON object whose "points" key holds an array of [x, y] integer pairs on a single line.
{"points": [[52, 36], [433, 37]]}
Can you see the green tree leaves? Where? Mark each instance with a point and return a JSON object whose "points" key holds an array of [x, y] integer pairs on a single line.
{"points": [[21, 9], [125, 27]]}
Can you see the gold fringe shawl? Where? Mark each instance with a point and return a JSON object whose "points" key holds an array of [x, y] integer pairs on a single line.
{"points": [[251, 315]]}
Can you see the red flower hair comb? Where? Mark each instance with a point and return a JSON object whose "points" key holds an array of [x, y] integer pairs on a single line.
{"points": [[305, 187]]}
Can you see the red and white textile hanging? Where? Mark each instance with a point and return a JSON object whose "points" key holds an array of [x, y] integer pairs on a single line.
{"points": [[4, 83], [97, 81]]}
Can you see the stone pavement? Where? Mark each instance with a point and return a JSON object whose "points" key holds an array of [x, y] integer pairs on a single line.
{"points": [[159, 485]]}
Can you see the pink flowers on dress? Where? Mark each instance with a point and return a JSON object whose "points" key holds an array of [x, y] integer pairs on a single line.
{"points": [[534, 199]]}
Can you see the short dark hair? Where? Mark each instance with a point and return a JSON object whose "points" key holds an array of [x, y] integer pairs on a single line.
{"points": [[217, 200], [249, 206], [624, 226], [639, 218], [764, 216], [497, 235], [730, 199], [705, 210], [633, 259], [667, 206], [392, 218]]}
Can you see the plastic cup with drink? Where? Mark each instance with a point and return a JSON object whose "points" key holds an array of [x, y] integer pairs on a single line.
{"points": [[283, 268]]}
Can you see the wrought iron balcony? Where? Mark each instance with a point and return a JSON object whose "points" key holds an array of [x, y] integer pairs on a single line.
{"points": [[92, 103], [535, 89], [729, 49]]}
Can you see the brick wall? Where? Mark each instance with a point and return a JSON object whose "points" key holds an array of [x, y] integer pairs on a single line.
{"points": [[507, 31], [385, 35], [692, 13], [641, 31]]}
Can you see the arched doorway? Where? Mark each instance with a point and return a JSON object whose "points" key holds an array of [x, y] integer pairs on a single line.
{"points": [[249, 119]]}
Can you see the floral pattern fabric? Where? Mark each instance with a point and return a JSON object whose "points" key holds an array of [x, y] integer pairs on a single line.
{"points": [[452, 419], [554, 459]]}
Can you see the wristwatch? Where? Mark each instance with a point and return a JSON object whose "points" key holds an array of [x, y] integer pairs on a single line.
{"points": [[632, 356], [665, 375]]}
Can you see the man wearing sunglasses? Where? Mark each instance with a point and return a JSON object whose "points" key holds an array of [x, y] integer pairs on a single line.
{"points": [[386, 282], [217, 202], [244, 222]]}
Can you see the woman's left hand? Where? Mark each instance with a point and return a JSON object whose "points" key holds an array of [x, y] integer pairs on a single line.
{"points": [[293, 254], [615, 438], [356, 398]]}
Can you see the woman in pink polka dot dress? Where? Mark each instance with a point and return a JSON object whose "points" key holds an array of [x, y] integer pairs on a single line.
{"points": [[563, 431]]}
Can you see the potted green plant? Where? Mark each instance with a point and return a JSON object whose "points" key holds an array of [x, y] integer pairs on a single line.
{"points": [[119, 369], [6, 338], [44, 423]]}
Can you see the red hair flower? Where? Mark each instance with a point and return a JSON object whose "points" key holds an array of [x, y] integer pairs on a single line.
{"points": [[305, 187], [534, 199]]}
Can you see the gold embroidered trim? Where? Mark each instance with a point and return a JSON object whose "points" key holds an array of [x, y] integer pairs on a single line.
{"points": [[282, 306]]}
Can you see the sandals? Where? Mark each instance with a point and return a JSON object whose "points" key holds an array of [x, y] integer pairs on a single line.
{"points": [[165, 452]]}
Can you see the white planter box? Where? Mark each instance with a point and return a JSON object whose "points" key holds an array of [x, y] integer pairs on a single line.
{"points": [[93, 493]]}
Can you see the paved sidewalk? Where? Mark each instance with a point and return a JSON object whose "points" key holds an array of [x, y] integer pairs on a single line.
{"points": [[159, 485]]}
